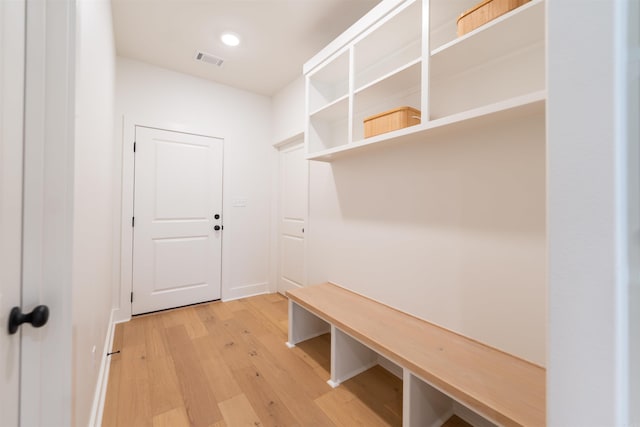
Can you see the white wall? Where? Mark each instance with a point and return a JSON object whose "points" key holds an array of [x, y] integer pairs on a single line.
{"points": [[148, 95], [288, 111], [93, 197], [450, 230], [588, 284]]}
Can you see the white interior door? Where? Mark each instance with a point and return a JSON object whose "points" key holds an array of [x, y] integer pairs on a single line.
{"points": [[293, 215], [12, 19], [36, 204], [177, 234]]}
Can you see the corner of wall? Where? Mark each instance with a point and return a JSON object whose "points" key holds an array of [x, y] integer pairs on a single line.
{"points": [[100, 392]]}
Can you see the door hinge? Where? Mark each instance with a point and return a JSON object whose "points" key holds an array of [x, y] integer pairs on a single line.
{"points": [[131, 296], [134, 146], [133, 221]]}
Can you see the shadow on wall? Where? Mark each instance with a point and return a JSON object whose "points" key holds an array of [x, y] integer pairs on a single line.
{"points": [[492, 180]]}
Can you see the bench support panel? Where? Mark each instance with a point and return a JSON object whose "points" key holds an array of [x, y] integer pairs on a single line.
{"points": [[349, 357], [422, 404], [471, 417], [304, 325]]}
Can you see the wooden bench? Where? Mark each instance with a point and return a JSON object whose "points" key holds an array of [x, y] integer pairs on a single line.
{"points": [[439, 367]]}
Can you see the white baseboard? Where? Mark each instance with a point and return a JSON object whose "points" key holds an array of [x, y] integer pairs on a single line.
{"points": [[103, 376], [245, 291], [120, 315]]}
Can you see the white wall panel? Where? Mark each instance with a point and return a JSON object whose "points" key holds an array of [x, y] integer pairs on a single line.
{"points": [[93, 197], [288, 111], [451, 230]]}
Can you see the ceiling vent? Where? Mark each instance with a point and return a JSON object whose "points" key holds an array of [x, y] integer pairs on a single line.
{"points": [[209, 58]]}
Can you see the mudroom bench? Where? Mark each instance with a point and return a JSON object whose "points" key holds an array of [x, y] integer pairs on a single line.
{"points": [[442, 372]]}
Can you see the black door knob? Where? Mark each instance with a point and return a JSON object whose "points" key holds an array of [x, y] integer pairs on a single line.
{"points": [[38, 317], [216, 216], [216, 227]]}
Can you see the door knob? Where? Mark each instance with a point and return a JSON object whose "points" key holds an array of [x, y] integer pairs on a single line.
{"points": [[38, 317], [216, 227]]}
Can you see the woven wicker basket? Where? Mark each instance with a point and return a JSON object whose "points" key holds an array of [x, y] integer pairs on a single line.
{"points": [[484, 12], [391, 120]]}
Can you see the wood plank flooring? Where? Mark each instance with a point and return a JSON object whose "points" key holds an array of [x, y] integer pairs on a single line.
{"points": [[226, 365]]}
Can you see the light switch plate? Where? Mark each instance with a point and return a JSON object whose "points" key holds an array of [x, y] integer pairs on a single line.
{"points": [[239, 202]]}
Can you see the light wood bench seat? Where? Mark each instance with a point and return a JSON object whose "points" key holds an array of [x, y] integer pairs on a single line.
{"points": [[502, 388]]}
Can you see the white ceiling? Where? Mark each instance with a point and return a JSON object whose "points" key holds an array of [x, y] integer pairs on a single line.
{"points": [[278, 36]]}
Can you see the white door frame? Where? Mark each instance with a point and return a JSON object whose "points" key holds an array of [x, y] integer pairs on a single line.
{"points": [[288, 144], [123, 296]]}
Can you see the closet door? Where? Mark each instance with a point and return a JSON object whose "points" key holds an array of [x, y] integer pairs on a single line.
{"points": [[293, 215]]}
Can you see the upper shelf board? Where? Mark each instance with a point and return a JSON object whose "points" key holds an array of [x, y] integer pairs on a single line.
{"points": [[509, 109]]}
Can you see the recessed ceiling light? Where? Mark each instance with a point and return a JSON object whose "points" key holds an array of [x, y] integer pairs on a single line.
{"points": [[230, 39]]}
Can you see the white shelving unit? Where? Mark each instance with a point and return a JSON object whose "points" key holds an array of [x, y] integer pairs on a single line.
{"points": [[406, 53], [526, 105]]}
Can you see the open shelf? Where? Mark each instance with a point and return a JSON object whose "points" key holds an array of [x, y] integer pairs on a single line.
{"points": [[408, 75], [407, 54], [398, 89], [375, 97], [332, 111], [329, 83], [327, 134], [443, 16], [509, 33], [500, 111], [392, 44]]}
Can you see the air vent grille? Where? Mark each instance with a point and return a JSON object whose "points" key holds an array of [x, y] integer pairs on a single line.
{"points": [[208, 58]]}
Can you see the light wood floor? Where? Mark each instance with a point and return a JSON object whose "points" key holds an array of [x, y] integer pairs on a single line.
{"points": [[226, 365]]}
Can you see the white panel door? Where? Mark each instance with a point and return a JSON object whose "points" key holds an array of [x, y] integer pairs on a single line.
{"points": [[293, 214], [11, 137], [177, 234]]}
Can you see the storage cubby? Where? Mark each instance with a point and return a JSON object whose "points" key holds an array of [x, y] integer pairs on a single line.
{"points": [[329, 126], [329, 84], [501, 60], [502, 78], [390, 46], [424, 405], [443, 16], [490, 73], [318, 354], [401, 89]]}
